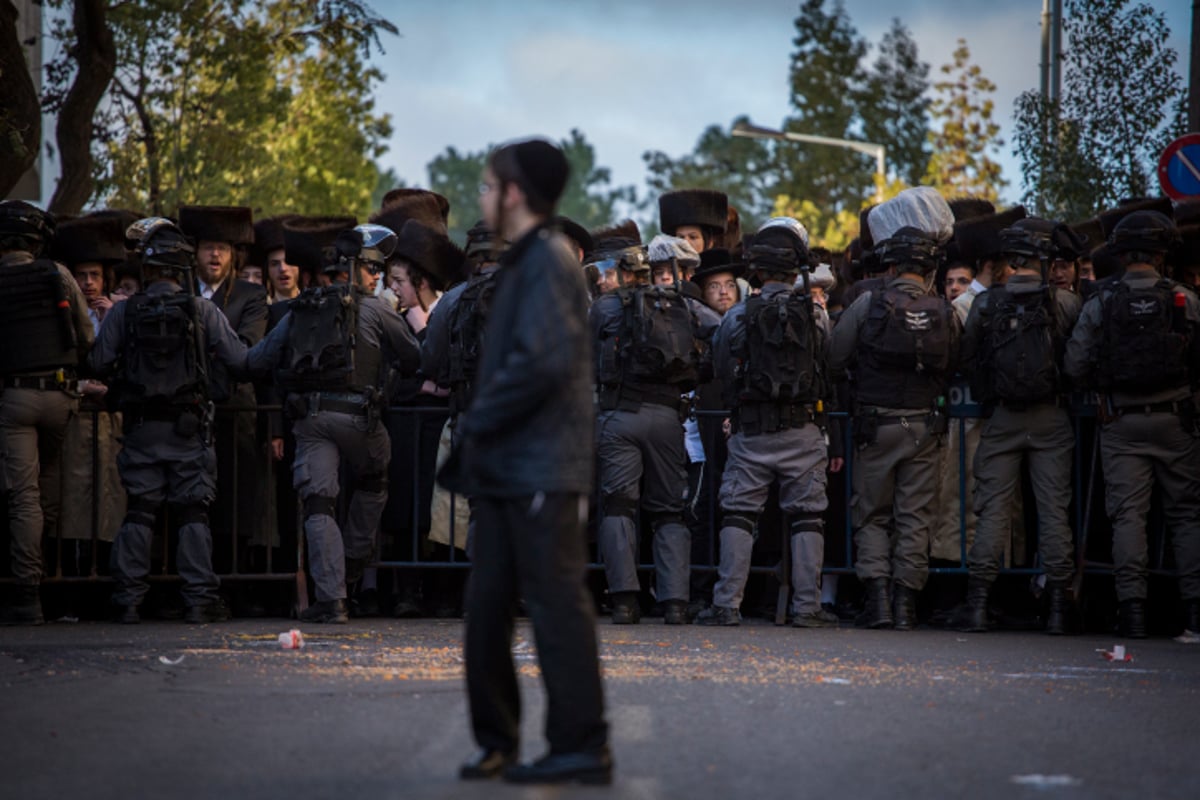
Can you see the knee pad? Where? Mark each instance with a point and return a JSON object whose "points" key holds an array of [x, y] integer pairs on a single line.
{"points": [[807, 522], [374, 484], [141, 511], [665, 518], [319, 505], [190, 514], [742, 520], [615, 505]]}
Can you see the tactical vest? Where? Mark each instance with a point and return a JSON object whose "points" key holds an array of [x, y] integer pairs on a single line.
{"points": [[163, 364], [654, 357], [323, 352], [35, 319], [1020, 349], [904, 350], [465, 326], [782, 361], [1145, 339]]}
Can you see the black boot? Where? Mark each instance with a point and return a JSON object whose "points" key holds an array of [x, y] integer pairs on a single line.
{"points": [[904, 607], [26, 608], [626, 610], [1191, 615], [877, 610], [977, 602], [1057, 616], [1131, 618]]}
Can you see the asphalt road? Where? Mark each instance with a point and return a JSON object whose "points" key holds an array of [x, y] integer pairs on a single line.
{"points": [[376, 709]]}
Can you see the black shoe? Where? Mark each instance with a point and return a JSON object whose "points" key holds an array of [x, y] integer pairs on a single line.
{"points": [[675, 612], [1057, 615], [719, 615], [326, 611], [1131, 615], [26, 608], [821, 618], [486, 764], [364, 604], [591, 768], [904, 608], [877, 608], [216, 611], [1191, 615], [626, 610]]}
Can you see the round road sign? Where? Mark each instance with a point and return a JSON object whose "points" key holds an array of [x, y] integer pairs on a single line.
{"points": [[1179, 167]]}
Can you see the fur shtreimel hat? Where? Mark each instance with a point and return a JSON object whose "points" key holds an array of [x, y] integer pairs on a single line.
{"points": [[969, 207], [268, 236], [1090, 232], [97, 238], [1187, 252], [703, 207], [978, 238], [616, 237], [308, 241], [233, 224], [1109, 219], [400, 205], [430, 251]]}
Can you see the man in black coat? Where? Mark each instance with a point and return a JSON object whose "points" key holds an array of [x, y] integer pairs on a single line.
{"points": [[525, 457]]}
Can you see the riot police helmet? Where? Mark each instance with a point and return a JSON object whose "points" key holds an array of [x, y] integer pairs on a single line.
{"points": [[161, 245], [370, 244], [912, 250], [1144, 232], [24, 226]]}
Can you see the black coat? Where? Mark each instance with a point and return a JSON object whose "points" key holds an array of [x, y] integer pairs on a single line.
{"points": [[244, 304], [530, 426]]}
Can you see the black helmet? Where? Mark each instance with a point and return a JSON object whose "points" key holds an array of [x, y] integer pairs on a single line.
{"points": [[780, 245], [370, 243], [1144, 231], [30, 227], [910, 247], [159, 243]]}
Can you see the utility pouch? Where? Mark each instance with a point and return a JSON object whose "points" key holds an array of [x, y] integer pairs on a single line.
{"points": [[866, 429], [937, 423], [187, 424]]}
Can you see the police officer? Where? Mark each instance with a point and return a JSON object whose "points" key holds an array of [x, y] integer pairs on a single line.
{"points": [[335, 403], [902, 343], [1012, 348], [647, 356], [769, 352], [160, 339], [1136, 343], [46, 333]]}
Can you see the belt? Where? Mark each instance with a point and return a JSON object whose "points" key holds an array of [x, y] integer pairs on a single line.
{"points": [[1171, 407], [1056, 402], [45, 383], [344, 403], [882, 420]]}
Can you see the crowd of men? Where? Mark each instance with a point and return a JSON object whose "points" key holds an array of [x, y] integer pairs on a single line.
{"points": [[719, 356]]}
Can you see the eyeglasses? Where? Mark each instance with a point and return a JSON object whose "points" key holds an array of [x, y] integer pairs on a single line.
{"points": [[486, 187]]}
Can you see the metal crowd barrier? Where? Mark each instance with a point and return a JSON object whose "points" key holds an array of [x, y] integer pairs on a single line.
{"points": [[961, 410]]}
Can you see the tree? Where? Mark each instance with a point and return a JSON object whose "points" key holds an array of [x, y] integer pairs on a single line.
{"points": [[893, 105], [1120, 105], [960, 164], [20, 120], [826, 82], [232, 102], [587, 198]]}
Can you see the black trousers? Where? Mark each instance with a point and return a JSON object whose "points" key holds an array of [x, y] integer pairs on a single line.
{"points": [[533, 547]]}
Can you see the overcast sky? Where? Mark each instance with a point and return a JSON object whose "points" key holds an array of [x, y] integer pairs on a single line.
{"points": [[652, 75]]}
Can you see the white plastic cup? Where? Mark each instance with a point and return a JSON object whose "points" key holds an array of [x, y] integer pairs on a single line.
{"points": [[291, 640], [1118, 652]]}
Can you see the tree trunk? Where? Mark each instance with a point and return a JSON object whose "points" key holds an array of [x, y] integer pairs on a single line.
{"points": [[20, 112], [96, 60]]}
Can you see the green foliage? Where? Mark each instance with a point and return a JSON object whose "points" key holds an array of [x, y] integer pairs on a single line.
{"points": [[1122, 103], [960, 164], [588, 197], [893, 105], [232, 102]]}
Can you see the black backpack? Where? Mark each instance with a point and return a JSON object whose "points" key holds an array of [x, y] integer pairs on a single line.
{"points": [[1021, 348], [35, 319], [906, 348], [656, 344], [319, 354], [466, 325], [1144, 339], [782, 360], [163, 362]]}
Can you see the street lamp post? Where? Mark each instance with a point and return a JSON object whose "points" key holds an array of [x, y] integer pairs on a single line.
{"points": [[870, 148]]}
